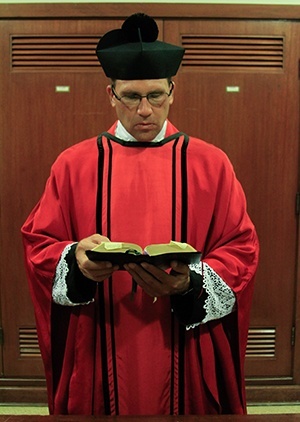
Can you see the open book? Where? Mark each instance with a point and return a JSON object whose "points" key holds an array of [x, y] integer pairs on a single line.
{"points": [[120, 253]]}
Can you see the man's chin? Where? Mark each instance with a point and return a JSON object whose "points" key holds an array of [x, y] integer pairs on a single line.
{"points": [[145, 132], [145, 136]]}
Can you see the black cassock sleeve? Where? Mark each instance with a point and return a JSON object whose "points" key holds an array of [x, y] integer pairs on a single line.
{"points": [[80, 289], [189, 306]]}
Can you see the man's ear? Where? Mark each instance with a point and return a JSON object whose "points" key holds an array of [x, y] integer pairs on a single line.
{"points": [[171, 98], [111, 95]]}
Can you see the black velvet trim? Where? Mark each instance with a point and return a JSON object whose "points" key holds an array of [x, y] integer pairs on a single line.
{"points": [[174, 180], [80, 289], [100, 185], [109, 177], [189, 307], [184, 189], [181, 369], [103, 355], [141, 144], [104, 348], [173, 325]]}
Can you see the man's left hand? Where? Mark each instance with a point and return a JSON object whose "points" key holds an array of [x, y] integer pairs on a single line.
{"points": [[156, 282]]}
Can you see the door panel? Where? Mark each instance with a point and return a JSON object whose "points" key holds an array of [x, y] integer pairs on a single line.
{"points": [[239, 87], [53, 98]]}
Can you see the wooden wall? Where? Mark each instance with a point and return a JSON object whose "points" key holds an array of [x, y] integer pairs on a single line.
{"points": [[238, 88]]}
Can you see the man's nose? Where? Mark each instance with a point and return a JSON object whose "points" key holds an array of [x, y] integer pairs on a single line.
{"points": [[144, 107]]}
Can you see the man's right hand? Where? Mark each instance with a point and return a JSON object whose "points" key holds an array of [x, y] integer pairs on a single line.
{"points": [[97, 271]]}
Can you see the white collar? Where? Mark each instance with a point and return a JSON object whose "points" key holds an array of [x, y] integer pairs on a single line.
{"points": [[122, 133]]}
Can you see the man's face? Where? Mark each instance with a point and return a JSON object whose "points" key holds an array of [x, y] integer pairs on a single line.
{"points": [[143, 121]]}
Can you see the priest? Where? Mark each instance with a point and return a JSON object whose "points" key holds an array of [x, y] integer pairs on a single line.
{"points": [[142, 339]]}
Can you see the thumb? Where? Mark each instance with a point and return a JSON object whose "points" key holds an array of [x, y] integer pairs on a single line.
{"points": [[179, 267]]}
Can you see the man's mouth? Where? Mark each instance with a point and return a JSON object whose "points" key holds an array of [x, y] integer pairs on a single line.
{"points": [[145, 126]]}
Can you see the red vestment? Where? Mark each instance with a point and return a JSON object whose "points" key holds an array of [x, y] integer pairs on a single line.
{"points": [[122, 356]]}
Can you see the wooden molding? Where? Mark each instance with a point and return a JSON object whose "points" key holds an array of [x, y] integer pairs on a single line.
{"points": [[157, 10], [273, 394], [18, 390]]}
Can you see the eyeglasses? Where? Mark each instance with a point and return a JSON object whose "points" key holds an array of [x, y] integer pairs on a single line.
{"points": [[155, 98]]}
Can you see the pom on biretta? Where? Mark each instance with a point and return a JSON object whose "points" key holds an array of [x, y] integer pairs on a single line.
{"points": [[133, 51]]}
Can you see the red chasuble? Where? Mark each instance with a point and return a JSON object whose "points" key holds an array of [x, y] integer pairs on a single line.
{"points": [[132, 357]]}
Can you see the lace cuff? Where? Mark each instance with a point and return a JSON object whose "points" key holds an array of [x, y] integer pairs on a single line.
{"points": [[220, 300], [60, 286]]}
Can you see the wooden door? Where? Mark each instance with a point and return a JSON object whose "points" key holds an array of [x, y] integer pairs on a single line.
{"points": [[54, 92], [238, 88]]}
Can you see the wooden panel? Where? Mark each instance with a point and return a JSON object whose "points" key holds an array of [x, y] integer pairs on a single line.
{"points": [[158, 10], [252, 115], [46, 110]]}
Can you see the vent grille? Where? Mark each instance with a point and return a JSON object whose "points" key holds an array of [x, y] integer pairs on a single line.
{"points": [[261, 343], [201, 51], [54, 52], [233, 52], [28, 342]]}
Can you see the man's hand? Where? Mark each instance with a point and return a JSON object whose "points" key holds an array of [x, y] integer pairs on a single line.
{"points": [[156, 282], [97, 271]]}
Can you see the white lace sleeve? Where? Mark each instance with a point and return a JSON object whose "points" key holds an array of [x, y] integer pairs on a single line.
{"points": [[60, 289], [221, 299]]}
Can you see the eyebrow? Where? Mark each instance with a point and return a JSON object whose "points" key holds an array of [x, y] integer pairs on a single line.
{"points": [[128, 92]]}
